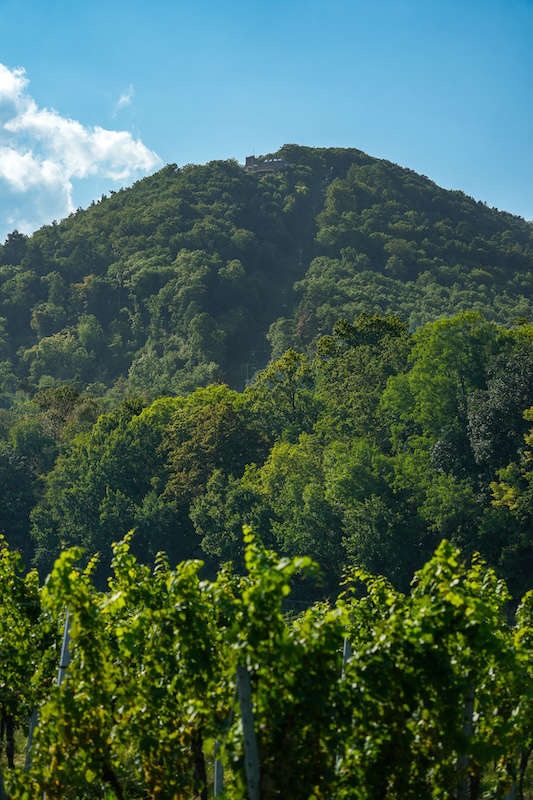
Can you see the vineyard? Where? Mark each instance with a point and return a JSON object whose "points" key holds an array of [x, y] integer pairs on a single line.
{"points": [[171, 686]]}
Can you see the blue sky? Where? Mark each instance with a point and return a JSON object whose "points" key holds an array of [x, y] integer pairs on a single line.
{"points": [[444, 88]]}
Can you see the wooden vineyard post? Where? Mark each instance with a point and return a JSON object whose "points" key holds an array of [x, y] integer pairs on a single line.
{"points": [[218, 781], [511, 794], [463, 789], [218, 777], [3, 795], [346, 654], [64, 659], [29, 742], [251, 758]]}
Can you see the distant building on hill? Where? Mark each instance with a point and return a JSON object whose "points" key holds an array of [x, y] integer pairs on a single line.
{"points": [[260, 166]]}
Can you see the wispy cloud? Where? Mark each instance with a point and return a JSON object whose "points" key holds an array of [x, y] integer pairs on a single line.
{"points": [[43, 152], [124, 99]]}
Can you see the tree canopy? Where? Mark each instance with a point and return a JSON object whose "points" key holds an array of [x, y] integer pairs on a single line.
{"points": [[200, 273]]}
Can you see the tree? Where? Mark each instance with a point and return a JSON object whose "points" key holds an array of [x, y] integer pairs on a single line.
{"points": [[352, 368], [496, 423], [99, 486], [449, 360], [17, 497], [281, 396], [219, 433], [303, 520], [513, 491]]}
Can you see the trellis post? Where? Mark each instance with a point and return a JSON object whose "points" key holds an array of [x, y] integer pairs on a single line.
{"points": [[218, 782], [64, 659], [31, 729], [346, 654], [251, 758], [3, 795], [463, 789]]}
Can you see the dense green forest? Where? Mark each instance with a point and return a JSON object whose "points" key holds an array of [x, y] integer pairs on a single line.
{"points": [[198, 274], [337, 355], [368, 452], [138, 391]]}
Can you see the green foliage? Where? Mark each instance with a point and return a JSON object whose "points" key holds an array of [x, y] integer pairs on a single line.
{"points": [[418, 659], [152, 680], [215, 435], [169, 284], [142, 468], [281, 396], [180, 281], [353, 367], [368, 454], [391, 241], [28, 644], [17, 492], [382, 425], [175, 282]]}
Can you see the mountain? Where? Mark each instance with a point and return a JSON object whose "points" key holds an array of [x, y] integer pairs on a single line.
{"points": [[201, 273], [367, 438]]}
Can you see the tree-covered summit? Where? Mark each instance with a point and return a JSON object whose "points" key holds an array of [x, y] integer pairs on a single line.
{"points": [[198, 274]]}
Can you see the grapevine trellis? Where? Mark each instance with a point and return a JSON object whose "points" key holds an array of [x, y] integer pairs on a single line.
{"points": [[372, 696]]}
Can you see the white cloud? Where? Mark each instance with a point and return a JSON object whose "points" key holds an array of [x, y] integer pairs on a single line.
{"points": [[124, 99], [42, 153], [12, 83]]}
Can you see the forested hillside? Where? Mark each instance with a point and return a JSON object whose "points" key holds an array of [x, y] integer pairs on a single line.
{"points": [[367, 438], [192, 275], [369, 452], [332, 362]]}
